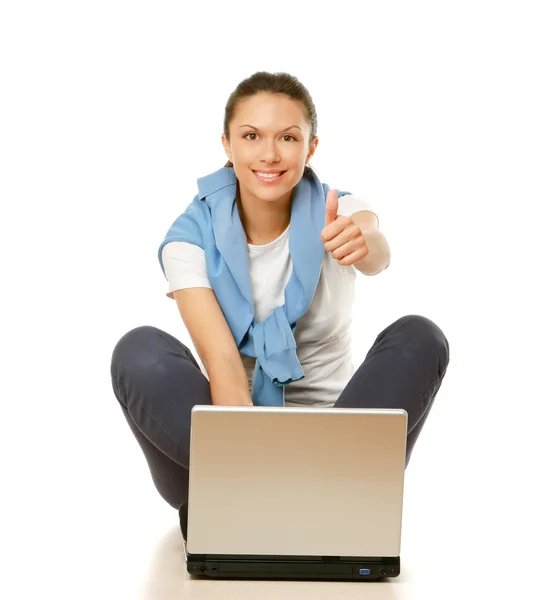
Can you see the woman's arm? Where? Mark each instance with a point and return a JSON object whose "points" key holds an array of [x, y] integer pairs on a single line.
{"points": [[228, 381], [215, 345]]}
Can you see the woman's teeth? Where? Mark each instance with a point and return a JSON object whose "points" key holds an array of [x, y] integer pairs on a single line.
{"points": [[268, 175]]}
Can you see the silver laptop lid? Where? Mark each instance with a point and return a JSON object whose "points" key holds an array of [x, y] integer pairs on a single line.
{"points": [[296, 481]]}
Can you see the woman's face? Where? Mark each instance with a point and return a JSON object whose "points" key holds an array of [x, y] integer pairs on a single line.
{"points": [[269, 133]]}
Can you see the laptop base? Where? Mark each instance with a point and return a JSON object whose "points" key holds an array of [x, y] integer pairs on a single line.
{"points": [[292, 567]]}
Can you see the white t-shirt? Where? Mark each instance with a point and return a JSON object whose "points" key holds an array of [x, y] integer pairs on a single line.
{"points": [[322, 335]]}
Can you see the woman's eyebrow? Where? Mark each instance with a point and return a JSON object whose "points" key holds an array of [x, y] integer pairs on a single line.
{"points": [[290, 127]]}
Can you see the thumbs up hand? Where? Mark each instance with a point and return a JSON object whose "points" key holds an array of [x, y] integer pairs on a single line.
{"points": [[341, 236], [331, 208]]}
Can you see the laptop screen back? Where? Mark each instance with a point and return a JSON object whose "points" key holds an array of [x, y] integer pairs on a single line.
{"points": [[296, 481]]}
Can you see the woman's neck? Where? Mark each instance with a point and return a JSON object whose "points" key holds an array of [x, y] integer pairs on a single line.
{"points": [[262, 221]]}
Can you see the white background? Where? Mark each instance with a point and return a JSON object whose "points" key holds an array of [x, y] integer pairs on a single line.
{"points": [[442, 114]]}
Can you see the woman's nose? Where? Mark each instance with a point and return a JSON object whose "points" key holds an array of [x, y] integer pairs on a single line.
{"points": [[270, 152]]}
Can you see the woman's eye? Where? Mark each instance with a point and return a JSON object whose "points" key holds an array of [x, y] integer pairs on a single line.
{"points": [[287, 135]]}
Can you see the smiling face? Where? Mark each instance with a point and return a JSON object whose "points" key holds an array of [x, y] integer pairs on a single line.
{"points": [[269, 133]]}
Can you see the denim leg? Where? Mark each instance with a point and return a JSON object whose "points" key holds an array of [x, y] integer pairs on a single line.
{"points": [[157, 381], [403, 369]]}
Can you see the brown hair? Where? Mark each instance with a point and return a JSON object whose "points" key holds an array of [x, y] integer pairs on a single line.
{"points": [[274, 83]]}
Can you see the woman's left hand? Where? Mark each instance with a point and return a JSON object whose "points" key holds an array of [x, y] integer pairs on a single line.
{"points": [[341, 236]]}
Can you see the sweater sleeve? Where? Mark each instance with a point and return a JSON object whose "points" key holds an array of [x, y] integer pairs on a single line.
{"points": [[185, 267]]}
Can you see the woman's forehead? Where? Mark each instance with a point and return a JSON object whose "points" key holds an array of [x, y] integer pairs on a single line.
{"points": [[269, 109]]}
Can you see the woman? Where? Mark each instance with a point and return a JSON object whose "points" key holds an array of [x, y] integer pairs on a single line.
{"points": [[262, 266]]}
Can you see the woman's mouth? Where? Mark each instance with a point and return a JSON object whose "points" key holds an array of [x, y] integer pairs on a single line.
{"points": [[270, 177]]}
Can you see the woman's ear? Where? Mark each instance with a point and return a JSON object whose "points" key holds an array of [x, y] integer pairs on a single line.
{"points": [[226, 146], [312, 149]]}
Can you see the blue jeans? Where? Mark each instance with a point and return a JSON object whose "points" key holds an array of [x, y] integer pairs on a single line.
{"points": [[157, 381]]}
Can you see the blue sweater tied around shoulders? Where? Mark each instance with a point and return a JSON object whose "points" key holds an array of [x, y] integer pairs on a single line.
{"points": [[212, 222]]}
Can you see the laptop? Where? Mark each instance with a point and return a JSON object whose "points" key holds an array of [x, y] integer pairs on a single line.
{"points": [[295, 493]]}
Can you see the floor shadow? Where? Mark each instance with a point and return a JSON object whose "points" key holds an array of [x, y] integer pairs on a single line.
{"points": [[168, 579], [167, 576]]}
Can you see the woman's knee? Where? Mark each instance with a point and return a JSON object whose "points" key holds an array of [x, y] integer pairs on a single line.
{"points": [[134, 356], [427, 336], [136, 348], [151, 362]]}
